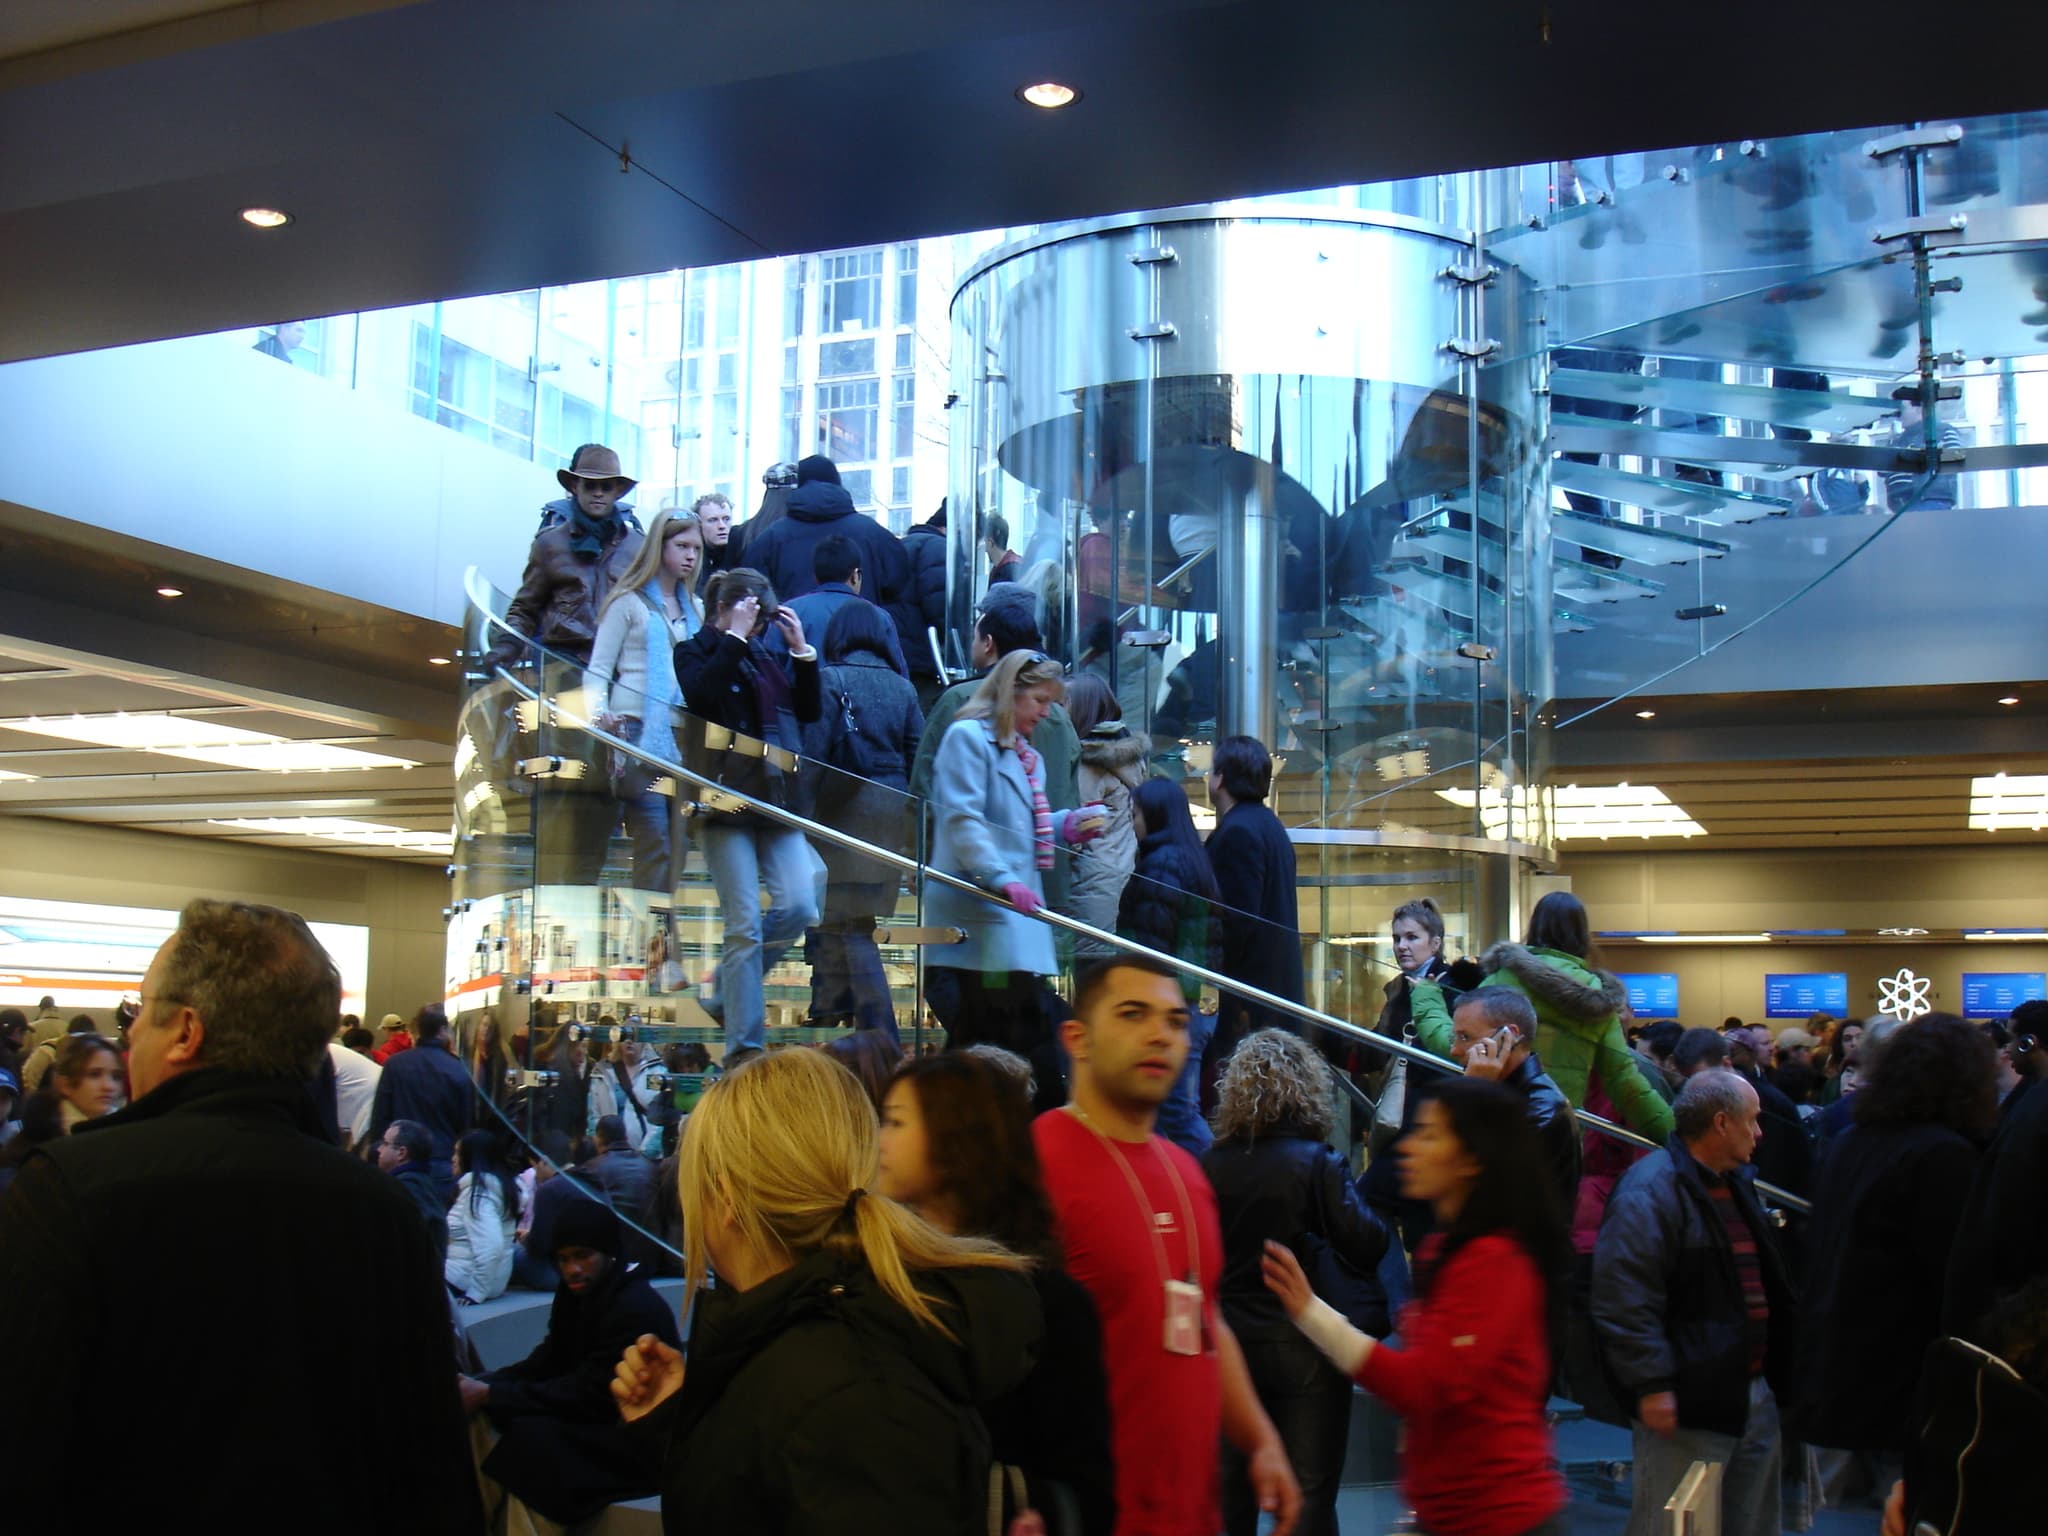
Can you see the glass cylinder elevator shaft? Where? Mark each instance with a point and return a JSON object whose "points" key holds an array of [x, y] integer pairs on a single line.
{"points": [[1260, 473]]}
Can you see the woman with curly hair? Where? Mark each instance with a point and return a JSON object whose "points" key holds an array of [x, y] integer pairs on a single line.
{"points": [[1885, 1215], [1278, 1180]]}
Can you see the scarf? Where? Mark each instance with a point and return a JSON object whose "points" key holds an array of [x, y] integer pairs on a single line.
{"points": [[662, 690], [589, 535], [1041, 812]]}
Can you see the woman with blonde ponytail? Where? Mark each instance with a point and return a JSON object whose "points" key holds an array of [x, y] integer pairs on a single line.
{"points": [[834, 1373]]}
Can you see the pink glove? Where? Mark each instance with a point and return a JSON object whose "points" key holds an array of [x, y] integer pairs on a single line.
{"points": [[1085, 824], [1022, 897]]}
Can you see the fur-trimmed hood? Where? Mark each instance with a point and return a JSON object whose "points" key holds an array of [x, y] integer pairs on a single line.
{"points": [[1561, 982], [1121, 756]]}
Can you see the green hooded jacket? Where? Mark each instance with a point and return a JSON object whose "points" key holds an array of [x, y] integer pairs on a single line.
{"points": [[1578, 1019]]}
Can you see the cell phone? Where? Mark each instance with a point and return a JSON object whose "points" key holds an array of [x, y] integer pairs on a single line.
{"points": [[1504, 1040]]}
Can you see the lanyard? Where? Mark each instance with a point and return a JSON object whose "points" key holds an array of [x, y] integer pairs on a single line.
{"points": [[1145, 1206]]}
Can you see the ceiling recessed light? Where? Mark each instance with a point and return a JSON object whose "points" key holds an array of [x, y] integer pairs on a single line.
{"points": [[1646, 714], [170, 591], [2009, 699], [1049, 94], [437, 661], [266, 218]]}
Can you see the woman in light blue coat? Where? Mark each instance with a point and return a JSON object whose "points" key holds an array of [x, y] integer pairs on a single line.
{"points": [[993, 827]]}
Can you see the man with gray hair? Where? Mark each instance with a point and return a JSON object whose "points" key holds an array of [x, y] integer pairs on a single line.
{"points": [[248, 1293], [1694, 1311], [1493, 1035]]}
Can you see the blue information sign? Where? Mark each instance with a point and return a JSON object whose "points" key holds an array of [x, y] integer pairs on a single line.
{"points": [[1652, 994], [1795, 994], [1994, 994]]}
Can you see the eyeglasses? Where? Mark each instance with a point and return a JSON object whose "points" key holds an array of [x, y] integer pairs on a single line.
{"points": [[592, 484]]}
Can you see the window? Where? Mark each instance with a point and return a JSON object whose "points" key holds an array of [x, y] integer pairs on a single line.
{"points": [[793, 424], [851, 292], [728, 370], [837, 359], [905, 405], [793, 298], [904, 343], [899, 486], [847, 426], [693, 315], [789, 364], [693, 375], [906, 285], [725, 432], [474, 394], [860, 485], [729, 308], [567, 420]]}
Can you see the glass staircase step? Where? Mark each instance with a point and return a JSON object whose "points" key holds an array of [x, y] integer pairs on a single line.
{"points": [[1707, 442], [1706, 503], [1392, 621], [1452, 594], [1831, 410], [1433, 538], [1564, 622], [1578, 582], [1633, 541]]}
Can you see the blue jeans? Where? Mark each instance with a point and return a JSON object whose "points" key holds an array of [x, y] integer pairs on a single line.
{"points": [[847, 977], [742, 857]]}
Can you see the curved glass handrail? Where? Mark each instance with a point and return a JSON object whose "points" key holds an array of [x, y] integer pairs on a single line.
{"points": [[546, 705]]}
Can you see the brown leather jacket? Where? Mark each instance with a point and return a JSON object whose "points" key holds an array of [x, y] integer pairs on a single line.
{"points": [[560, 595]]}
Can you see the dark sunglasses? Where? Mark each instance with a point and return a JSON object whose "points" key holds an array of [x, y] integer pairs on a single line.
{"points": [[600, 485]]}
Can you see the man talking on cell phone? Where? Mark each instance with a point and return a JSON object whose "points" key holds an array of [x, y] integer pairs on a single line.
{"points": [[1493, 1035]]}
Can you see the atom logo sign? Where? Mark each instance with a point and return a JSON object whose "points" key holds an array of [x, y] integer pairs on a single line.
{"points": [[1904, 996]]}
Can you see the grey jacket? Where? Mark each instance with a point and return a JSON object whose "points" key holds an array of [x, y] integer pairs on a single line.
{"points": [[982, 808], [1111, 767], [1667, 1301]]}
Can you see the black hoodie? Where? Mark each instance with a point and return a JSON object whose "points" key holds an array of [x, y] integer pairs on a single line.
{"points": [[818, 509], [813, 1403]]}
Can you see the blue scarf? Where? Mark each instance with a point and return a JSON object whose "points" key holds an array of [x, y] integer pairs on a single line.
{"points": [[663, 691]]}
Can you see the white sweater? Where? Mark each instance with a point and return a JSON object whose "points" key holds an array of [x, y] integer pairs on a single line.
{"points": [[479, 1263], [617, 675]]}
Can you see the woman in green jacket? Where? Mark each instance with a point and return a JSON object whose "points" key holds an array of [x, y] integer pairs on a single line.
{"points": [[1578, 1012]]}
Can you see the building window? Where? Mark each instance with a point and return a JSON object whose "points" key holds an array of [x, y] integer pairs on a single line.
{"points": [[789, 364], [906, 285], [725, 432], [860, 485], [850, 296], [729, 308], [905, 407], [568, 420], [793, 298], [728, 370], [899, 486], [472, 393], [847, 427], [838, 359], [904, 343], [693, 314], [793, 424]]}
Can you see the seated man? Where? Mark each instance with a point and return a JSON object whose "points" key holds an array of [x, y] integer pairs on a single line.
{"points": [[406, 1153], [549, 1435]]}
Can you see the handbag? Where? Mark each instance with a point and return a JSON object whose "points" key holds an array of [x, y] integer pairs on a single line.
{"points": [[1386, 1115]]}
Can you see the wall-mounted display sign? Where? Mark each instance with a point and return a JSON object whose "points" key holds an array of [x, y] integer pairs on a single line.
{"points": [[1994, 994], [1651, 994], [1795, 994], [86, 955]]}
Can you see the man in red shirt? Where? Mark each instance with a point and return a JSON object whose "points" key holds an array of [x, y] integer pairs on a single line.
{"points": [[1139, 1226]]}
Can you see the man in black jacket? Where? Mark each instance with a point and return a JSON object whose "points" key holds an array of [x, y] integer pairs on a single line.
{"points": [[820, 506], [924, 552], [1493, 1035], [548, 1433], [245, 1295], [1253, 858], [1695, 1314], [429, 1085], [406, 1153], [2002, 1242]]}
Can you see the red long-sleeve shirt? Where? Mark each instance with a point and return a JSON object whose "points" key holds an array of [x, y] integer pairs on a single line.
{"points": [[1471, 1380]]}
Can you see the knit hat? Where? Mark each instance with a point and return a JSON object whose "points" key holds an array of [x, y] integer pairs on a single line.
{"points": [[584, 1223], [817, 467], [1794, 1039]]}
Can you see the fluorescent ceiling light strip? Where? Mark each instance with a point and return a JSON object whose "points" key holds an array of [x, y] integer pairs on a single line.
{"points": [[343, 829], [8, 776], [2008, 936], [1600, 811], [1712, 938], [203, 741]]}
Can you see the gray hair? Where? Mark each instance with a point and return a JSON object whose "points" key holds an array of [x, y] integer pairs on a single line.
{"points": [[1705, 1095], [264, 989], [1503, 1006]]}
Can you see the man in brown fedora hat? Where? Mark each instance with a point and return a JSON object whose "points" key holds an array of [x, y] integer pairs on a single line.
{"points": [[586, 542]]}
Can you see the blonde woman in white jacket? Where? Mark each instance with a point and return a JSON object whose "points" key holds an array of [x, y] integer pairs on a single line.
{"points": [[482, 1221]]}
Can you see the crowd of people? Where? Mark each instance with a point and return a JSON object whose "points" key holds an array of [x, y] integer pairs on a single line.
{"points": [[1115, 1262]]}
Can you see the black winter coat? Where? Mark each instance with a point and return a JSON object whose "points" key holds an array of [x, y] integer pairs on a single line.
{"points": [[783, 552], [924, 552], [1254, 863], [1667, 1300], [858, 754], [1055, 1426], [815, 1406], [204, 1260], [1884, 1222], [1160, 907], [429, 1085], [1292, 1188], [2002, 1241], [561, 1446], [724, 678]]}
